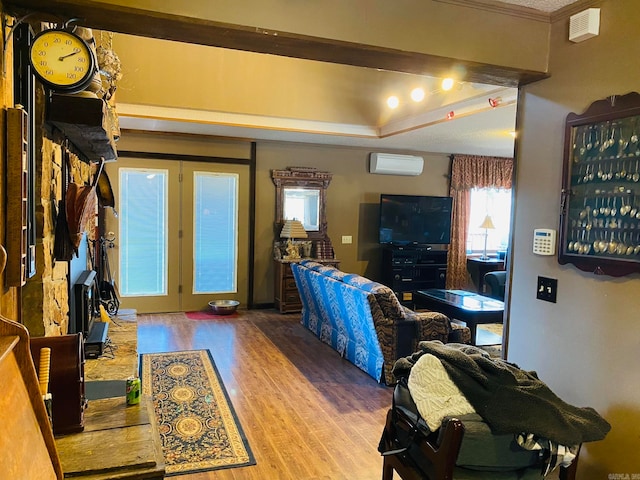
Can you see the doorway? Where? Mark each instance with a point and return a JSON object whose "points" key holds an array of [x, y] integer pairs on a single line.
{"points": [[181, 233]]}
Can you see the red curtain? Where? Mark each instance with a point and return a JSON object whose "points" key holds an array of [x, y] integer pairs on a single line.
{"points": [[468, 172]]}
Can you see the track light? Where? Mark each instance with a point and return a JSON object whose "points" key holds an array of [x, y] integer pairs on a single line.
{"points": [[494, 102], [447, 84]]}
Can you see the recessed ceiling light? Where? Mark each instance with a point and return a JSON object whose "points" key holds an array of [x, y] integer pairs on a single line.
{"points": [[417, 94], [393, 101]]}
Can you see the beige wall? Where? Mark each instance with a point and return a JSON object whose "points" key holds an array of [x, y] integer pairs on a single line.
{"points": [[432, 27], [586, 346], [201, 78], [206, 78], [352, 202]]}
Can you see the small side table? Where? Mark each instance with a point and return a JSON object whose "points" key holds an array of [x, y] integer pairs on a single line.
{"points": [[478, 267], [287, 298]]}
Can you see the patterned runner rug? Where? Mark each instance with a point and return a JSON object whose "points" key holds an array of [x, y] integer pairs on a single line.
{"points": [[199, 430]]}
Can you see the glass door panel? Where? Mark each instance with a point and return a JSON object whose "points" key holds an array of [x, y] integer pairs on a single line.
{"points": [[147, 230], [182, 236], [215, 241], [216, 233]]}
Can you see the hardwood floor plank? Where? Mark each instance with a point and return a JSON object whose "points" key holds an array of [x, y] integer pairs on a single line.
{"points": [[308, 414]]}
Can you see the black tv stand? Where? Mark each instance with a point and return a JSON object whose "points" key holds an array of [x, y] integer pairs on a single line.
{"points": [[406, 246], [408, 268]]}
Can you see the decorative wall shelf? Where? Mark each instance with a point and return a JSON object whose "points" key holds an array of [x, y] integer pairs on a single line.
{"points": [[17, 200], [600, 210], [84, 121]]}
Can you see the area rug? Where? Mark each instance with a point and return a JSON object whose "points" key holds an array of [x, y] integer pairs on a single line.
{"points": [[199, 430], [205, 315], [489, 338]]}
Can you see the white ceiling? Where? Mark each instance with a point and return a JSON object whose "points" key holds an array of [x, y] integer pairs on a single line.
{"points": [[476, 127], [548, 6]]}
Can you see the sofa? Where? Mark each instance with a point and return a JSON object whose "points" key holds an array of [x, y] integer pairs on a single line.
{"points": [[364, 321]]}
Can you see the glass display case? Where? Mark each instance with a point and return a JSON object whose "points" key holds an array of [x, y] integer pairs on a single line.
{"points": [[600, 210]]}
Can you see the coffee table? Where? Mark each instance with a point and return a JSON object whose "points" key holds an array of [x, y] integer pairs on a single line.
{"points": [[471, 308]]}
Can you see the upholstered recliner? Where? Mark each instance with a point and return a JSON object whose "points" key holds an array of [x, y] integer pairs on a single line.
{"points": [[496, 283], [462, 449], [460, 414]]}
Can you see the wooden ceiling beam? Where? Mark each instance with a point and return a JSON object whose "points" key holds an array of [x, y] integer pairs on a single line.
{"points": [[145, 23]]}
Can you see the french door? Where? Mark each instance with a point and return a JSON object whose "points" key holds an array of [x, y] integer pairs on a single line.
{"points": [[181, 234]]}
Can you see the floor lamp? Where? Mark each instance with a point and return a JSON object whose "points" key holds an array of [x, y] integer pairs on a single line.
{"points": [[487, 224]]}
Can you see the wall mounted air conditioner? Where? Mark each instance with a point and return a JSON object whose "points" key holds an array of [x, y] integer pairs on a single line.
{"points": [[394, 164]]}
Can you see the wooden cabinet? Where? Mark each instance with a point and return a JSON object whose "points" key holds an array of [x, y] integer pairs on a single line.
{"points": [[286, 298]]}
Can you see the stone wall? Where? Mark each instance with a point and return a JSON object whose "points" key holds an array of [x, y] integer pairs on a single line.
{"points": [[45, 297]]}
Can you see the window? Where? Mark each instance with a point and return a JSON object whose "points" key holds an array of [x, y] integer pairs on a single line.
{"points": [[215, 225], [497, 204], [143, 220]]}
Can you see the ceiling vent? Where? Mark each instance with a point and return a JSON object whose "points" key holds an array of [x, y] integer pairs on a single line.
{"points": [[393, 164], [584, 25]]}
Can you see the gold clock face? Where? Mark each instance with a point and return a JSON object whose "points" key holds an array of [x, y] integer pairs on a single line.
{"points": [[62, 60]]}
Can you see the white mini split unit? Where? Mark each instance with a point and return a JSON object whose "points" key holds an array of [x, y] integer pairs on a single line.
{"points": [[393, 164]]}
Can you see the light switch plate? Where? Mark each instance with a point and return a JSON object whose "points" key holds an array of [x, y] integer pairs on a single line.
{"points": [[547, 289], [347, 239]]}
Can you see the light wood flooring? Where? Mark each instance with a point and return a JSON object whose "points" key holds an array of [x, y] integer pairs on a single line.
{"points": [[307, 413]]}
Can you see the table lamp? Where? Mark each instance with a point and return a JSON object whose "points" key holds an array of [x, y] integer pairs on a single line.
{"points": [[292, 229], [487, 224]]}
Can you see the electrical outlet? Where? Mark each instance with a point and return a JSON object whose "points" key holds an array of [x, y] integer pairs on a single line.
{"points": [[547, 289], [347, 239]]}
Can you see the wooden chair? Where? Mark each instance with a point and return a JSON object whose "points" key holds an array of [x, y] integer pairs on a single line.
{"points": [[27, 445]]}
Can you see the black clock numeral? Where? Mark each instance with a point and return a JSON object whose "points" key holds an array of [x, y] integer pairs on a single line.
{"points": [[48, 72], [78, 69], [72, 76], [43, 63], [56, 40], [82, 60], [42, 53]]}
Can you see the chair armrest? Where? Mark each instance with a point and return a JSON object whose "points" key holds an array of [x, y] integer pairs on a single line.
{"points": [[441, 457], [569, 473], [459, 334], [430, 325]]}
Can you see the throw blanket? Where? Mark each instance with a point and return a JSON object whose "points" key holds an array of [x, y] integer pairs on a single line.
{"points": [[434, 394], [509, 399]]}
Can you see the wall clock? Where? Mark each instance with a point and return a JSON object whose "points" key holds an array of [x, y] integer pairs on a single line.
{"points": [[62, 60]]}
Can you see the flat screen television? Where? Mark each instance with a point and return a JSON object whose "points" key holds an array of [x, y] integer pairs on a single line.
{"points": [[415, 219]]}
